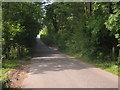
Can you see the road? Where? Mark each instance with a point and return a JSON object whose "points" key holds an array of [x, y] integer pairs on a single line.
{"points": [[51, 69]]}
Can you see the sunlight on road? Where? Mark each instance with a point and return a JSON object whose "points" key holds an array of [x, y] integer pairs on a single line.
{"points": [[38, 36], [47, 57]]}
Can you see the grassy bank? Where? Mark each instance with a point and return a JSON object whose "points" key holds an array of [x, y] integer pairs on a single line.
{"points": [[9, 65], [110, 66]]}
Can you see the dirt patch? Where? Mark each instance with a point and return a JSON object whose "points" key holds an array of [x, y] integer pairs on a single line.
{"points": [[17, 76]]}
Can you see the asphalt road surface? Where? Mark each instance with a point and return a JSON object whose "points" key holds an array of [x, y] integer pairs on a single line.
{"points": [[51, 69]]}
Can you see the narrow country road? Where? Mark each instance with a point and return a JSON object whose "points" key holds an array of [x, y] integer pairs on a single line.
{"points": [[51, 69]]}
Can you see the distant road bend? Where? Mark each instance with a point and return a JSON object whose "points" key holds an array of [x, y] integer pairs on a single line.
{"points": [[51, 69]]}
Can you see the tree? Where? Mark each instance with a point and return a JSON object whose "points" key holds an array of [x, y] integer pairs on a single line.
{"points": [[21, 23], [88, 28]]}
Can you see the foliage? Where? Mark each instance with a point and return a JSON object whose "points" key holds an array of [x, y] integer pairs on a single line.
{"points": [[113, 22], [21, 24], [91, 29]]}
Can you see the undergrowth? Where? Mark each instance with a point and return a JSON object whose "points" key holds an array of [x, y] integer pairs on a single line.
{"points": [[8, 65]]}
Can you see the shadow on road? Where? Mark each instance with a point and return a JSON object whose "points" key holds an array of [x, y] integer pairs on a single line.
{"points": [[46, 59]]}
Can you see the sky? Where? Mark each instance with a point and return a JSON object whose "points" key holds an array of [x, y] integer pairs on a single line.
{"points": [[47, 2]]}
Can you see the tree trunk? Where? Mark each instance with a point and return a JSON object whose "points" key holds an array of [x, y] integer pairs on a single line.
{"points": [[90, 8], [55, 23], [113, 53], [110, 8]]}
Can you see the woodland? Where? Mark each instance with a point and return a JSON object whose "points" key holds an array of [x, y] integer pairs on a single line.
{"points": [[87, 30]]}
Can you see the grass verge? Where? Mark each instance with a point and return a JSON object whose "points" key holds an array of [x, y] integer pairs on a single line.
{"points": [[8, 65], [110, 66]]}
